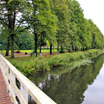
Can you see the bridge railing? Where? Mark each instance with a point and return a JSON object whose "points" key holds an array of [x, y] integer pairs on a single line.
{"points": [[20, 88]]}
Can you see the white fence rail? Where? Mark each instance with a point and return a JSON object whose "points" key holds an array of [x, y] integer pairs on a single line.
{"points": [[21, 89]]}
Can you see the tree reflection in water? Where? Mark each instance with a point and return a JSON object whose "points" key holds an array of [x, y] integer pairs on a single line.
{"points": [[68, 87]]}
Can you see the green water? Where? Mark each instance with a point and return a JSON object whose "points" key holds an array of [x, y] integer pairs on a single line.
{"points": [[73, 87]]}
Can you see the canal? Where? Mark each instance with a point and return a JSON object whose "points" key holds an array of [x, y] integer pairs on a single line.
{"points": [[82, 85]]}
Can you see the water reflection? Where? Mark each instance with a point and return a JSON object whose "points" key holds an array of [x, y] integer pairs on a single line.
{"points": [[70, 87], [95, 92]]}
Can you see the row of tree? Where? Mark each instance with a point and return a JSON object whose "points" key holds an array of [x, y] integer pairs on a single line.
{"points": [[60, 22], [22, 41]]}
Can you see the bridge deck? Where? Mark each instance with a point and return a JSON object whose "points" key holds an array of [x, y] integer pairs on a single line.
{"points": [[4, 96]]}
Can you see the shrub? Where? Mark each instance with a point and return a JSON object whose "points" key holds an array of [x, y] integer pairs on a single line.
{"points": [[35, 64]]}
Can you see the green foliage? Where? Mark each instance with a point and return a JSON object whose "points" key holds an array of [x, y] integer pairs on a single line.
{"points": [[61, 10], [41, 64], [84, 34], [24, 40], [73, 82], [60, 22], [12, 18], [29, 65]]}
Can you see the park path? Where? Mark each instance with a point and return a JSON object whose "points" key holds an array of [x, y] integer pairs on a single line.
{"points": [[4, 96]]}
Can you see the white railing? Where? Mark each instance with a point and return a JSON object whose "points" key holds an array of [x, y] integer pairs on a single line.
{"points": [[21, 89]]}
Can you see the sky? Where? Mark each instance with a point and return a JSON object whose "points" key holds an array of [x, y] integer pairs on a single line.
{"points": [[94, 10]]}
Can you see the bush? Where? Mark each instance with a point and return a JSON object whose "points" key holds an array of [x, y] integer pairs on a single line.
{"points": [[35, 64]]}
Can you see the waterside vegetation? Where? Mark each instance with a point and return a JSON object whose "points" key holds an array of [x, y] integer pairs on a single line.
{"points": [[52, 24], [30, 65]]}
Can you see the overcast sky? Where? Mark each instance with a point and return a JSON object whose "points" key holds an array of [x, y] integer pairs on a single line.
{"points": [[94, 9]]}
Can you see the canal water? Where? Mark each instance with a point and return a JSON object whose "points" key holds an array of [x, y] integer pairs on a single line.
{"points": [[82, 85]]}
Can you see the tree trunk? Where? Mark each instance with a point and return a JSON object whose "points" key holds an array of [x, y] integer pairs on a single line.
{"points": [[50, 48], [12, 46], [40, 48], [11, 26], [36, 43], [93, 41], [58, 46], [7, 49], [40, 44], [62, 51]]}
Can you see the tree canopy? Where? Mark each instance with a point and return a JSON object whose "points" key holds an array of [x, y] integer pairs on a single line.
{"points": [[60, 22]]}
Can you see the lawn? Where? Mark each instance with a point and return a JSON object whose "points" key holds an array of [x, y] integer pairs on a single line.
{"points": [[44, 50]]}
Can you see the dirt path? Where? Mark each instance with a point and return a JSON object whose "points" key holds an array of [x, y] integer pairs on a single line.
{"points": [[28, 54]]}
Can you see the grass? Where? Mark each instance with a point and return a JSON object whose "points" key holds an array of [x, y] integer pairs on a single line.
{"points": [[30, 65], [44, 50]]}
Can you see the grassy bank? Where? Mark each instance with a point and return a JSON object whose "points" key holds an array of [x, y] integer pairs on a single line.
{"points": [[28, 65]]}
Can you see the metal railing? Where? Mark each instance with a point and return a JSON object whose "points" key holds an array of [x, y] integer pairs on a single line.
{"points": [[20, 88]]}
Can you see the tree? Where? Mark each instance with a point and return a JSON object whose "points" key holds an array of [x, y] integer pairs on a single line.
{"points": [[43, 21], [10, 16], [96, 36], [24, 40], [61, 10], [76, 22], [5, 39]]}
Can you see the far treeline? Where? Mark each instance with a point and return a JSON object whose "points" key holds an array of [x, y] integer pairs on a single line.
{"points": [[29, 24]]}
